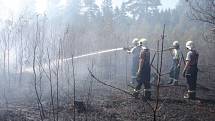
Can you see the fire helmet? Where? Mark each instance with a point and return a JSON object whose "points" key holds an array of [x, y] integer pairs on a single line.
{"points": [[190, 45], [143, 42], [135, 41], [175, 44]]}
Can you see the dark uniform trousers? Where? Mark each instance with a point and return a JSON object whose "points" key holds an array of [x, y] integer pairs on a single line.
{"points": [[191, 76], [144, 78]]}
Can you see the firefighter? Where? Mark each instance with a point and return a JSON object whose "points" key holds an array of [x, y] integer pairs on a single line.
{"points": [[190, 70], [135, 51], [175, 69], [143, 73]]}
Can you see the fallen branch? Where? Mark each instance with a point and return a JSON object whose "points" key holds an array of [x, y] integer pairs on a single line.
{"points": [[124, 91], [93, 76]]}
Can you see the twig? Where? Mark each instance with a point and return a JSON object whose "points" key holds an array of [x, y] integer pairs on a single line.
{"points": [[153, 58], [124, 91], [92, 75], [89, 94]]}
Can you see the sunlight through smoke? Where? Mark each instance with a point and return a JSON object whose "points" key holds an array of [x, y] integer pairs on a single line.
{"points": [[9, 8], [62, 4], [41, 6]]}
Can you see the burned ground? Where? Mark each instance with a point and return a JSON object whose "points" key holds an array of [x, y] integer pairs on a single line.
{"points": [[106, 104]]}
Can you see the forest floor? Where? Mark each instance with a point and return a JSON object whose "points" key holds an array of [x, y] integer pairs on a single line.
{"points": [[106, 104]]}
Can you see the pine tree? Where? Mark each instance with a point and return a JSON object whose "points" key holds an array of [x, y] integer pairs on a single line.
{"points": [[91, 10], [107, 15], [121, 18], [142, 8], [107, 8], [73, 10]]}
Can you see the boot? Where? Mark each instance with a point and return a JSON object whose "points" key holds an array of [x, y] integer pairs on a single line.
{"points": [[135, 94], [190, 95], [186, 96], [147, 94], [193, 95]]}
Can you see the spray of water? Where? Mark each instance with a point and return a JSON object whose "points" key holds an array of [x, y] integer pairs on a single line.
{"points": [[94, 53], [45, 65]]}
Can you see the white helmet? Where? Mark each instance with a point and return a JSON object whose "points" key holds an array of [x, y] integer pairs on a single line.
{"points": [[190, 45], [135, 41], [175, 44], [143, 42]]}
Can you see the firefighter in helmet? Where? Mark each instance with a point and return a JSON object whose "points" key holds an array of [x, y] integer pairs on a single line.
{"points": [[175, 69], [144, 70], [135, 52], [191, 69]]}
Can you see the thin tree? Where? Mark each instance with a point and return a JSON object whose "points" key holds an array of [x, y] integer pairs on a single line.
{"points": [[51, 85], [74, 83], [159, 76], [40, 105]]}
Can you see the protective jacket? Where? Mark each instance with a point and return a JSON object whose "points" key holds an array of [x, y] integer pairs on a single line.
{"points": [[135, 60]]}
